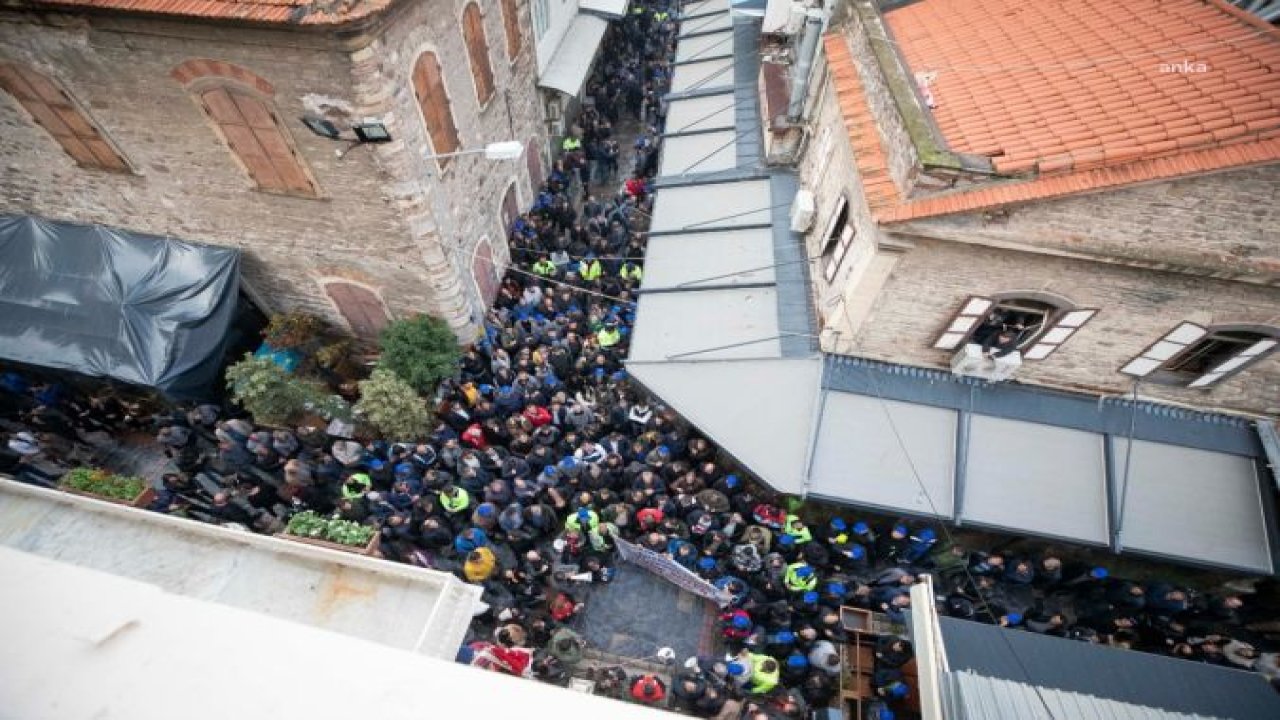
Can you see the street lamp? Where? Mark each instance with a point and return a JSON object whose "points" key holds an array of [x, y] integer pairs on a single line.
{"points": [[506, 150]]}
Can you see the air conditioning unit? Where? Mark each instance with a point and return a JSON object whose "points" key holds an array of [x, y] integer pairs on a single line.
{"points": [[970, 362], [802, 211]]}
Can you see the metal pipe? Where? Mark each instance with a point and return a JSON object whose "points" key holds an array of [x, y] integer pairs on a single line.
{"points": [[804, 64]]}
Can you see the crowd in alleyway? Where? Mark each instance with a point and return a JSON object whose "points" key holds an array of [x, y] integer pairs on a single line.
{"points": [[545, 454]]}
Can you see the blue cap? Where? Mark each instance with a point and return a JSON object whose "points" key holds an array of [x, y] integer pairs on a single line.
{"points": [[549, 470], [857, 552], [797, 661], [707, 563], [403, 468], [899, 690], [836, 588], [584, 514], [885, 714], [485, 389], [838, 524], [737, 668], [804, 571], [376, 464], [810, 598], [900, 529], [860, 528], [1099, 573], [731, 481], [742, 622], [1013, 618], [505, 390], [786, 636], [927, 534], [786, 540], [485, 510]]}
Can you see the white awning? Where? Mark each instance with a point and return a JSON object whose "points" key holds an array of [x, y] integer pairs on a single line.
{"points": [[711, 112], [698, 260], [859, 456], [705, 207], [703, 7], [776, 15], [611, 9], [1036, 478], [703, 75], [710, 23], [568, 68], [712, 324], [1192, 504], [705, 47], [700, 153]]}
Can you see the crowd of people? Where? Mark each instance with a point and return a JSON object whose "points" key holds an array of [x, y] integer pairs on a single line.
{"points": [[545, 455]]}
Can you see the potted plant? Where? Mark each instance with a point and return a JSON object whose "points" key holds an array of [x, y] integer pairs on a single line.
{"points": [[421, 350], [103, 485], [334, 533], [393, 408]]}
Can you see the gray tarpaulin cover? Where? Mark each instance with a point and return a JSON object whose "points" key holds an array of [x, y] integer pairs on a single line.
{"points": [[139, 308]]}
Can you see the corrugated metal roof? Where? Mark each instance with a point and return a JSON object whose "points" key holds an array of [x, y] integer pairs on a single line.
{"points": [[976, 697], [1120, 676]]}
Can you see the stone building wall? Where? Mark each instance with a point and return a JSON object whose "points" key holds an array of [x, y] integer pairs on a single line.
{"points": [[1135, 308], [374, 223]]}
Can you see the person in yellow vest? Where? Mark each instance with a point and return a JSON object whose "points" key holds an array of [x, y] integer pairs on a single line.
{"points": [[799, 577], [631, 271], [660, 16], [454, 499], [570, 144], [609, 335], [585, 521], [797, 529], [544, 267], [764, 674], [589, 268], [480, 565]]}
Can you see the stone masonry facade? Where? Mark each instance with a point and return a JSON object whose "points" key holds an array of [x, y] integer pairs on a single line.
{"points": [[385, 219], [1201, 249]]}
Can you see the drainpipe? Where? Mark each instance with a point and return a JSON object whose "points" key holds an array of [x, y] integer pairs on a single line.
{"points": [[804, 65]]}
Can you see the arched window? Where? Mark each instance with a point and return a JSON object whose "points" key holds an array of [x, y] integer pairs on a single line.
{"points": [[485, 271], [360, 307], [511, 23], [433, 101], [533, 159], [1199, 357], [477, 52], [52, 108], [510, 208], [1037, 324]]}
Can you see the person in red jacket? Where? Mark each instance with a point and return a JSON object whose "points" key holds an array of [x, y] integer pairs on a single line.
{"points": [[474, 436], [648, 689], [537, 415]]}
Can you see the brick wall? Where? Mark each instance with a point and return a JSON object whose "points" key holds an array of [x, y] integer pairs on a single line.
{"points": [[903, 160], [377, 219], [1136, 307]]}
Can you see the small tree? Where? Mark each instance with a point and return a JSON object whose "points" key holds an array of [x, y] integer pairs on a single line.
{"points": [[272, 395], [392, 407], [292, 330], [420, 350]]}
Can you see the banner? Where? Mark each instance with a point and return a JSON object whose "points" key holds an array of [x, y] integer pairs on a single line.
{"points": [[671, 571]]}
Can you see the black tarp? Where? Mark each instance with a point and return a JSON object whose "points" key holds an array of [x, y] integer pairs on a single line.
{"points": [[143, 309]]}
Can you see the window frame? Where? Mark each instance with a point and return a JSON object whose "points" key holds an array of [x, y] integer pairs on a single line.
{"points": [[837, 240], [479, 60], [199, 88], [1061, 322], [1174, 348], [512, 29], [95, 131], [442, 163]]}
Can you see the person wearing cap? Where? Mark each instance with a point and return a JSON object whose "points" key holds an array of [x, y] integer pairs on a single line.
{"points": [[736, 625], [485, 516], [862, 533], [454, 500], [780, 643], [479, 565], [584, 520], [893, 547], [795, 668], [892, 651], [566, 646], [920, 545], [356, 485], [800, 578]]}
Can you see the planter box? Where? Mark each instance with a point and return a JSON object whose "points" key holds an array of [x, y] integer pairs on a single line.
{"points": [[371, 549], [855, 619], [144, 498]]}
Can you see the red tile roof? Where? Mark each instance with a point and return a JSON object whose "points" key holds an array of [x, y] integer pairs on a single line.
{"points": [[1071, 93], [296, 12]]}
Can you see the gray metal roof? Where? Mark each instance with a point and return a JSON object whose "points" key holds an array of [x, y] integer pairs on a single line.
{"points": [[969, 696], [1109, 674]]}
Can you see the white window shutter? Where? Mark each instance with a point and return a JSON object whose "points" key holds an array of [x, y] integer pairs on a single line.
{"points": [[1235, 362], [1059, 333], [975, 308], [1178, 339]]}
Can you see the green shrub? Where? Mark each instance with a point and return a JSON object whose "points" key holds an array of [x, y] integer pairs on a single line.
{"points": [[309, 524], [392, 407], [101, 482], [421, 350], [292, 330], [273, 396]]}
